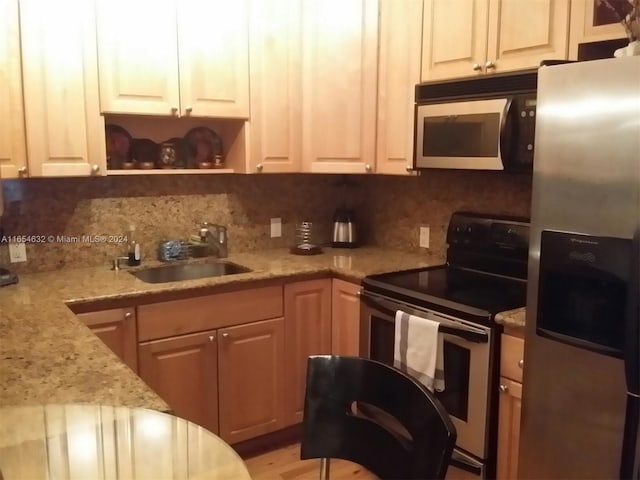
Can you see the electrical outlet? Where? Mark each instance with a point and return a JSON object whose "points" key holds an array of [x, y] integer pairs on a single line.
{"points": [[17, 252], [424, 236], [276, 227]]}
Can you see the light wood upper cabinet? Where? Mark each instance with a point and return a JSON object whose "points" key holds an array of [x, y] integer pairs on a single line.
{"points": [[13, 150], [65, 132], [466, 37], [345, 321], [117, 329], [308, 332], [184, 372], [398, 72], [213, 58], [174, 57], [138, 56], [454, 38], [589, 24], [252, 368], [276, 88], [339, 92], [522, 34]]}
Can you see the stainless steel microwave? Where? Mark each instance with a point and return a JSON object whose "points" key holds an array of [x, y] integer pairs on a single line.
{"points": [[480, 123]]}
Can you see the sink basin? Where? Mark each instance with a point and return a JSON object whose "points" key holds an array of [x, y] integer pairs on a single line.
{"points": [[176, 273]]}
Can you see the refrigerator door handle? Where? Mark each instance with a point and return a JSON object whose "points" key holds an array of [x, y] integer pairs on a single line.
{"points": [[632, 328]]}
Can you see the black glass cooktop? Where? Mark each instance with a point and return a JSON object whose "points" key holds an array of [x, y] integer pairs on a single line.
{"points": [[453, 288]]}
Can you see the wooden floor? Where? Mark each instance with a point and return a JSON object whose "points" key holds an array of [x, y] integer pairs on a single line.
{"points": [[284, 463]]}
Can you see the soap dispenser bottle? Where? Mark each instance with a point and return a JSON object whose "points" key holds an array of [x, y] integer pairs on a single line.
{"points": [[133, 248]]}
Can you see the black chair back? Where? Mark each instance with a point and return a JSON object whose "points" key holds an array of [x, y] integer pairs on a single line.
{"points": [[331, 429]]}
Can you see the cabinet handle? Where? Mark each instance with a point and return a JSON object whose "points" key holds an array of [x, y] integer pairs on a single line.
{"points": [[212, 338], [477, 67], [95, 168], [259, 167], [367, 167], [504, 388], [188, 110], [225, 335], [22, 171], [521, 363], [128, 315], [174, 111], [489, 65]]}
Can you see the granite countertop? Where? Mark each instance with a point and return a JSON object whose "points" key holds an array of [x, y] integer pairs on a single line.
{"points": [[512, 318], [47, 355]]}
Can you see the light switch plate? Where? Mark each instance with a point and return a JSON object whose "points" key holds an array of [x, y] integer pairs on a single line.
{"points": [[276, 227], [17, 252], [424, 236]]}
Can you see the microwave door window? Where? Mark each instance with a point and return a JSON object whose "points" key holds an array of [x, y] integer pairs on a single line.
{"points": [[468, 135]]}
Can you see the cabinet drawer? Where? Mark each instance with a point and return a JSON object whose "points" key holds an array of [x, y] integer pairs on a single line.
{"points": [[512, 357], [178, 317]]}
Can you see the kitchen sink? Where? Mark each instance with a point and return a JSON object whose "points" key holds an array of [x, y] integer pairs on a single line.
{"points": [[176, 273]]}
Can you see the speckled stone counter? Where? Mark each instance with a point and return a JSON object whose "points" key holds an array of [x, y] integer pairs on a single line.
{"points": [[47, 355], [512, 318]]}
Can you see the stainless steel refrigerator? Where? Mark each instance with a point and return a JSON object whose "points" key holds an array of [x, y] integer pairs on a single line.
{"points": [[581, 364]]}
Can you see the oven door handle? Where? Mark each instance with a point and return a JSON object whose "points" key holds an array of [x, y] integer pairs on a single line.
{"points": [[464, 333]]}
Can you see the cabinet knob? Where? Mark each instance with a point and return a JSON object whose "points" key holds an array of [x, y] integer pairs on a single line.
{"points": [[504, 388], [521, 363], [95, 168], [367, 167], [225, 335], [22, 171], [174, 111], [259, 167], [489, 65], [188, 110], [212, 338], [477, 67], [409, 168], [128, 315]]}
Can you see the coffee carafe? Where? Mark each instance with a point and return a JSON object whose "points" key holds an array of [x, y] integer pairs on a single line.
{"points": [[344, 224]]}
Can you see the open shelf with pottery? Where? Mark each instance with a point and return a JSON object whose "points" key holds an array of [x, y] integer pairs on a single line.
{"points": [[146, 133]]}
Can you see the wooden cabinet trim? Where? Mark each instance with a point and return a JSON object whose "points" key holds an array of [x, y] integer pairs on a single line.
{"points": [[510, 411], [345, 318], [178, 317]]}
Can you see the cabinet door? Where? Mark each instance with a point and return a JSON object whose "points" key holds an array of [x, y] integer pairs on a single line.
{"points": [[399, 71], [138, 56], [276, 88], [13, 151], [522, 34], [339, 74], [591, 21], [454, 41], [252, 364], [184, 372], [117, 329], [213, 58], [509, 428], [345, 318], [65, 132], [308, 330]]}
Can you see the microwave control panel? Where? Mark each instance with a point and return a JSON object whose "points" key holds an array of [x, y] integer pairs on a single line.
{"points": [[523, 120]]}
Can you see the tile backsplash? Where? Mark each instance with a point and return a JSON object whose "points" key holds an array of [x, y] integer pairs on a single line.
{"points": [[389, 209]]}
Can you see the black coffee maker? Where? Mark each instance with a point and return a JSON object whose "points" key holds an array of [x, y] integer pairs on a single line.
{"points": [[344, 223]]}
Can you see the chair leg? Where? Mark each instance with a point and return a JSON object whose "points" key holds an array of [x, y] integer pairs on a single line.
{"points": [[324, 468]]}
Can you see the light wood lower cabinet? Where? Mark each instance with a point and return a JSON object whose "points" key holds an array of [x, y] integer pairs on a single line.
{"points": [[307, 309], [512, 353], [509, 428], [184, 372], [251, 379], [345, 318], [117, 329]]}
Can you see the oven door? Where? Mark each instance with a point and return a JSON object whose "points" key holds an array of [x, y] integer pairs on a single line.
{"points": [[467, 352], [460, 134]]}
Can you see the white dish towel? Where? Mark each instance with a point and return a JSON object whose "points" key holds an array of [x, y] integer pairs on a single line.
{"points": [[418, 350]]}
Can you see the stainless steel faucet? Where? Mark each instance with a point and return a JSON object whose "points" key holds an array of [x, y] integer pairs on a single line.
{"points": [[215, 236]]}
